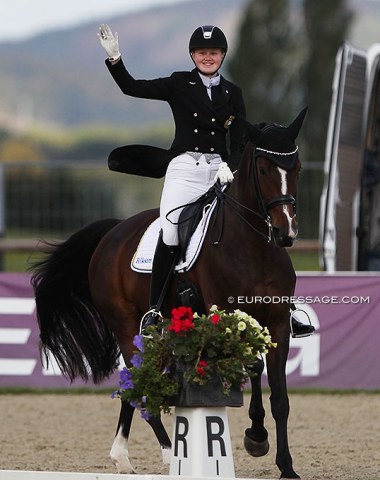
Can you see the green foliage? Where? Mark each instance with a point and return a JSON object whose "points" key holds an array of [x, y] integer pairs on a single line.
{"points": [[191, 349]]}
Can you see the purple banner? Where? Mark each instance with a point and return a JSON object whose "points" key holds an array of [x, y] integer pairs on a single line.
{"points": [[344, 352]]}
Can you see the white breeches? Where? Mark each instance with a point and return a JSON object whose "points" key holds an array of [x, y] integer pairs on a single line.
{"points": [[186, 179]]}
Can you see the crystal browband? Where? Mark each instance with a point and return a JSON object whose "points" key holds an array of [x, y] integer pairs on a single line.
{"points": [[277, 153]]}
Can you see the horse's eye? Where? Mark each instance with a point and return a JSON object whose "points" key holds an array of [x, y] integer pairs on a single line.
{"points": [[262, 171]]}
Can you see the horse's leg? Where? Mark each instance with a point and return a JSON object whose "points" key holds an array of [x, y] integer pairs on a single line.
{"points": [[119, 451], [276, 362], [162, 437], [256, 438]]}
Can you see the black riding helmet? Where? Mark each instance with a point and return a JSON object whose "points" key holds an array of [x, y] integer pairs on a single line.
{"points": [[208, 36]]}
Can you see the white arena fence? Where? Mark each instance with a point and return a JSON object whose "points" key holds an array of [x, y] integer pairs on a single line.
{"points": [[24, 475]]}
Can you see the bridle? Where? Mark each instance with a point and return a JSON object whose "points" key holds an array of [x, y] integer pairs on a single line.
{"points": [[265, 207], [286, 199]]}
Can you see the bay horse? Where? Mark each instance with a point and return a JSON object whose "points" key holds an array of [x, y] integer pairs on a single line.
{"points": [[89, 301]]}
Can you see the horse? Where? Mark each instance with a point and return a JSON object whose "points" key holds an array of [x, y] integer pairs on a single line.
{"points": [[89, 301]]}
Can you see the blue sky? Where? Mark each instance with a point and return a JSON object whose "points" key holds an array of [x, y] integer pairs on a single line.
{"points": [[23, 18]]}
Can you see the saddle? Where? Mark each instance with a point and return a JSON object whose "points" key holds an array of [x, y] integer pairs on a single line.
{"points": [[191, 217], [192, 228]]}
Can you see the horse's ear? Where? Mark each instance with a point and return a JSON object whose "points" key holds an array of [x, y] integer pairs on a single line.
{"points": [[253, 132], [296, 125]]}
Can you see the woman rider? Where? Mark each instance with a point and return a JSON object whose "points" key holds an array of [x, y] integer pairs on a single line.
{"points": [[207, 110]]}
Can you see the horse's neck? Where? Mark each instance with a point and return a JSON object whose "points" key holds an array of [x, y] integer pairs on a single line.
{"points": [[244, 200]]}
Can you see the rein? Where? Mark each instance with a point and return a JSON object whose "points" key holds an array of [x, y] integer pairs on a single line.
{"points": [[235, 205], [264, 206], [225, 199]]}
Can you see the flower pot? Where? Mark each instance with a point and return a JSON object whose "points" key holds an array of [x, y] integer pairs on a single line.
{"points": [[209, 395]]}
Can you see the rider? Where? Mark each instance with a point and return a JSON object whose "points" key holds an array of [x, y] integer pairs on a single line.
{"points": [[207, 110]]}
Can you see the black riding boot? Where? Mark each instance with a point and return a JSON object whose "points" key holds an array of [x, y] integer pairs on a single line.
{"points": [[164, 261], [298, 329]]}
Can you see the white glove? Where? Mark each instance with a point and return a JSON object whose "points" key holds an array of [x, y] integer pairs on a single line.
{"points": [[224, 174], [109, 42]]}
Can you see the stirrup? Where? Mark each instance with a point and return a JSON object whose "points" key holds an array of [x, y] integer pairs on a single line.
{"points": [[308, 329], [151, 317]]}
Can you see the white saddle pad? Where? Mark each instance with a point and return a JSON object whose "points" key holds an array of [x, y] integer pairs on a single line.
{"points": [[143, 258]]}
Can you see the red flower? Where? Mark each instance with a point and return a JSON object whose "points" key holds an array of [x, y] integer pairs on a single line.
{"points": [[200, 369], [182, 319], [215, 318]]}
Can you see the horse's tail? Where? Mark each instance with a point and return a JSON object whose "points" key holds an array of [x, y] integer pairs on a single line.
{"points": [[71, 328]]}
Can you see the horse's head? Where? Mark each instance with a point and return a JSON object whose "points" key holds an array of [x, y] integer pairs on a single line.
{"points": [[274, 168]]}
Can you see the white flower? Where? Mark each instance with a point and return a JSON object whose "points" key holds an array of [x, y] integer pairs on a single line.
{"points": [[241, 326], [242, 315], [228, 330], [213, 308], [254, 323], [248, 351]]}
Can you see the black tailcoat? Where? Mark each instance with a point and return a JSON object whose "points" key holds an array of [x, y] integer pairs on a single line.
{"points": [[201, 125]]}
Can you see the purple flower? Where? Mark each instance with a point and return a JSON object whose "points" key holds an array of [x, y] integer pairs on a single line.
{"points": [[125, 379], [138, 342], [115, 394], [145, 414], [136, 360]]}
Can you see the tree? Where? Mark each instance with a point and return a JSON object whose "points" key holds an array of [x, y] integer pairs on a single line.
{"points": [[265, 61], [326, 27], [285, 60]]}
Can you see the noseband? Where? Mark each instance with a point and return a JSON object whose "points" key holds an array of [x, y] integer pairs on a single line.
{"points": [[280, 199]]}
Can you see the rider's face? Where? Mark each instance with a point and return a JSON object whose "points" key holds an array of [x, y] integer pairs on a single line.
{"points": [[208, 60]]}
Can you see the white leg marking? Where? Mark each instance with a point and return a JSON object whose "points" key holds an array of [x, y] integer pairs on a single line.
{"points": [[119, 454], [166, 455], [284, 191]]}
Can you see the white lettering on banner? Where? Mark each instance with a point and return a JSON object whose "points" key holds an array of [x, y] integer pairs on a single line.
{"points": [[17, 366], [308, 357], [17, 306], [53, 368], [16, 336]]}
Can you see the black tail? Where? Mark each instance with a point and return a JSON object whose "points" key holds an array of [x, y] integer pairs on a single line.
{"points": [[70, 326]]}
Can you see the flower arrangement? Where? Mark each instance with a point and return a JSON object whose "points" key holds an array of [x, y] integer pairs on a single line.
{"points": [[219, 344]]}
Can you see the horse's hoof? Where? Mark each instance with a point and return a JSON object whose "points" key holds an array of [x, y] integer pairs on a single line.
{"points": [[289, 475], [256, 449], [123, 466]]}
